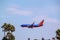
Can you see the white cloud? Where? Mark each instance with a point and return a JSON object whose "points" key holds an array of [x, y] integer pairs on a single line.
{"points": [[17, 10], [45, 13], [52, 20], [38, 18], [47, 19]]}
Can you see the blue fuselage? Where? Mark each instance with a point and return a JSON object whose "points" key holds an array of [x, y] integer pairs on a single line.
{"points": [[28, 25]]}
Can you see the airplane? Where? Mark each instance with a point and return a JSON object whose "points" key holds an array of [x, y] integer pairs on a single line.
{"points": [[33, 25]]}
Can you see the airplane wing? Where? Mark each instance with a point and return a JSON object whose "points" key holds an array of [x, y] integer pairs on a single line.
{"points": [[31, 26]]}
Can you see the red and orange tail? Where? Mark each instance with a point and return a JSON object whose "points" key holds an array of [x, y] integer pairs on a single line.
{"points": [[41, 23]]}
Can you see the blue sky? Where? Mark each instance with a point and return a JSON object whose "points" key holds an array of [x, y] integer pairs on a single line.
{"points": [[19, 12]]}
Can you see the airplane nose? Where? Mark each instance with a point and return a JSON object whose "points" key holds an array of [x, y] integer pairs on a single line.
{"points": [[21, 25]]}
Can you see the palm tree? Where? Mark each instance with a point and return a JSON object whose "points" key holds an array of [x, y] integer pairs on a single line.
{"points": [[4, 27], [9, 29], [58, 34], [10, 36], [43, 38]]}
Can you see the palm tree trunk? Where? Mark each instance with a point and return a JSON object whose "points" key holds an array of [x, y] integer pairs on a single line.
{"points": [[4, 33]]}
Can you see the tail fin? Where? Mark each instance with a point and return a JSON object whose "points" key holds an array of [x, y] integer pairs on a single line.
{"points": [[41, 23]]}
